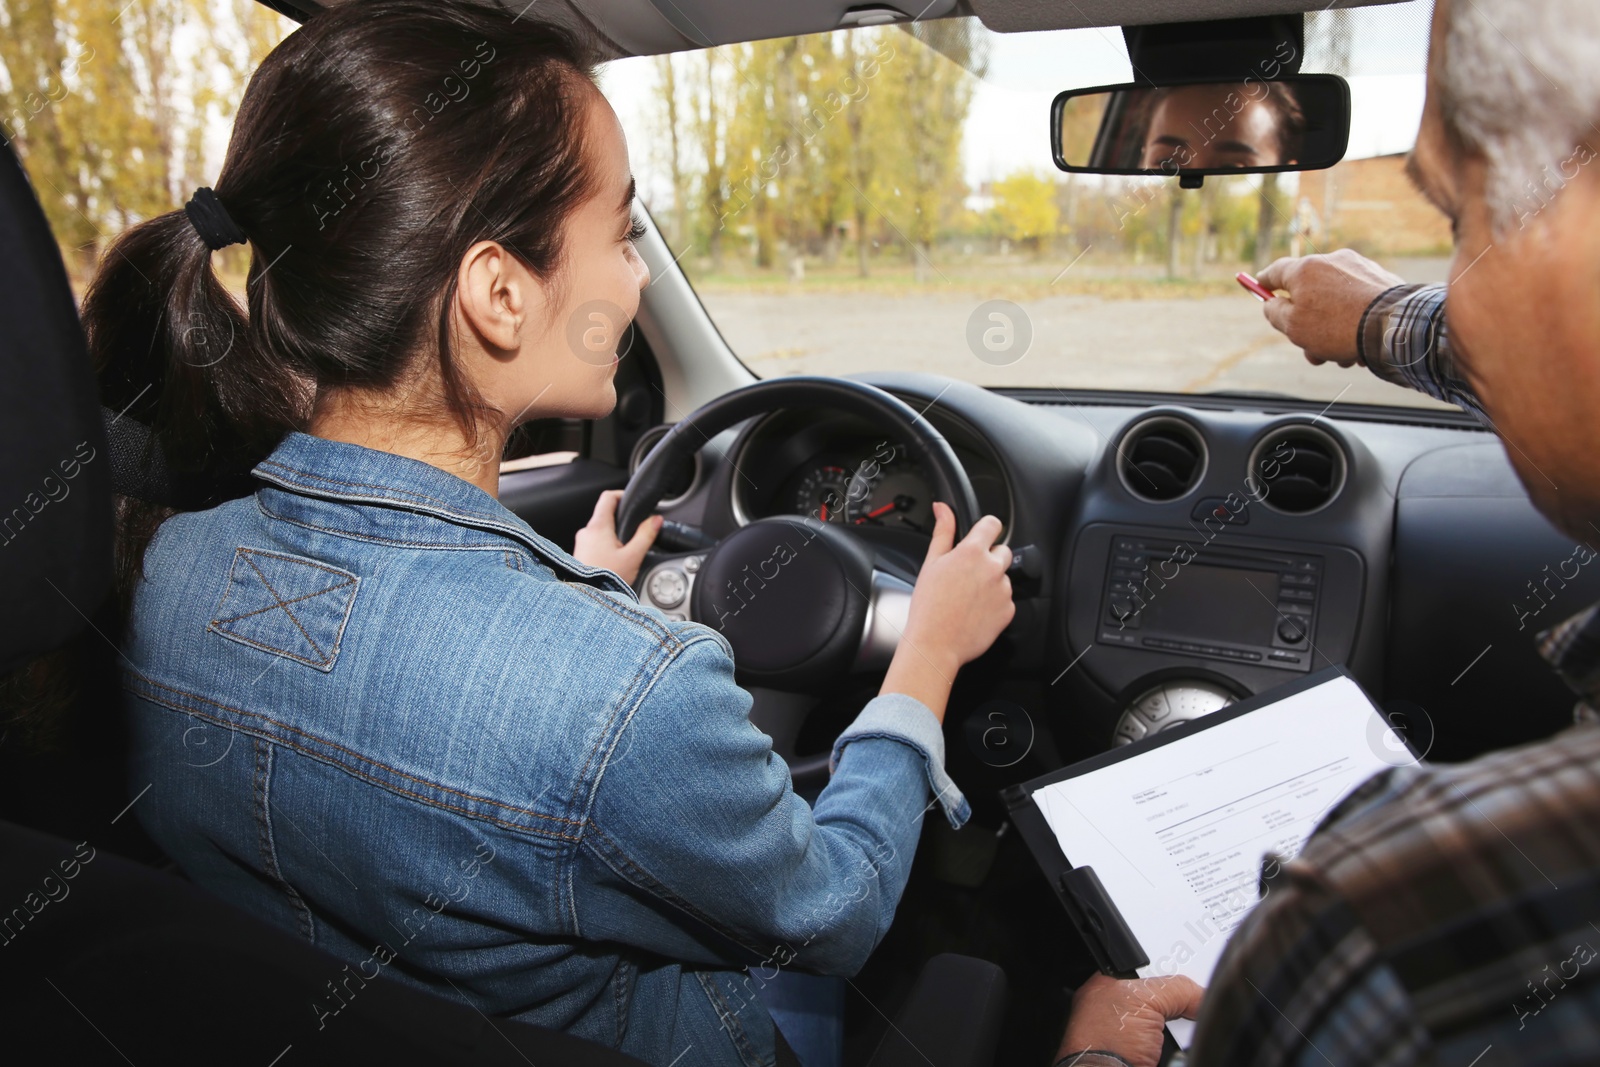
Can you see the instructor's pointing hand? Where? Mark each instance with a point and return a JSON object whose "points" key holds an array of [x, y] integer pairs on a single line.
{"points": [[1321, 301]]}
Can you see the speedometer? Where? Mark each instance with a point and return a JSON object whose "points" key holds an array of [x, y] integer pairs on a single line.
{"points": [[891, 493], [822, 492]]}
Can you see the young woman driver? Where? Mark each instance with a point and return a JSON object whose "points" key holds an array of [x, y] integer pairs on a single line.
{"points": [[370, 702]]}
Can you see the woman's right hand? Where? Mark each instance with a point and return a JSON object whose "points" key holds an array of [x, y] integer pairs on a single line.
{"points": [[962, 598]]}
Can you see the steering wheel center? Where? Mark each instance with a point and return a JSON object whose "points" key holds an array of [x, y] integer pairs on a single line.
{"points": [[791, 596]]}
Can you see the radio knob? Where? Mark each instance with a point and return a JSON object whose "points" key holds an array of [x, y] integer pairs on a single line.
{"points": [[1167, 705], [1291, 631]]}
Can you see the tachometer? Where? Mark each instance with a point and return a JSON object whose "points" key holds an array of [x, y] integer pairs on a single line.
{"points": [[891, 493], [822, 493]]}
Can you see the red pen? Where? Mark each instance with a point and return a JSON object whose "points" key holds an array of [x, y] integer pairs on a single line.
{"points": [[1261, 292]]}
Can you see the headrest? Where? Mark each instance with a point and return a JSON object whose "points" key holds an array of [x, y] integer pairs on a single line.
{"points": [[139, 469]]}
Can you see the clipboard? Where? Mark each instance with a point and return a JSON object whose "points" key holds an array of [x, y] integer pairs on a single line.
{"points": [[1093, 913]]}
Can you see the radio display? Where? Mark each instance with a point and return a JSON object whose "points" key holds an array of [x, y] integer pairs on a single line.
{"points": [[1231, 604]]}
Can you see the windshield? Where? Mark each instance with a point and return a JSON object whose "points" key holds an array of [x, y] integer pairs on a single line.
{"points": [[884, 198]]}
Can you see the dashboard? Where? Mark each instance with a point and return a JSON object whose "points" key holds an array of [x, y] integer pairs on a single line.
{"points": [[1188, 554]]}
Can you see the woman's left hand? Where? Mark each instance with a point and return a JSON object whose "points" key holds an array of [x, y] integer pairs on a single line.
{"points": [[598, 546]]}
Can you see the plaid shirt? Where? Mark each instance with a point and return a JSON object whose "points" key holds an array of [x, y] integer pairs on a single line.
{"points": [[1440, 915], [1403, 338]]}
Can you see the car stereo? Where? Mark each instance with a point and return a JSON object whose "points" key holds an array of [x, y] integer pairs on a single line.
{"points": [[1240, 605]]}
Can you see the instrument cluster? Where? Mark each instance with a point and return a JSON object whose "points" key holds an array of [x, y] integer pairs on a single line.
{"points": [[838, 469], [883, 488]]}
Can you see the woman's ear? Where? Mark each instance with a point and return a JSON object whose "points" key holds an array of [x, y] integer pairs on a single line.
{"points": [[496, 296]]}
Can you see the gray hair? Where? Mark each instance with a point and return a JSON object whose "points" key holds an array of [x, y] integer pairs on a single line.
{"points": [[1520, 84]]}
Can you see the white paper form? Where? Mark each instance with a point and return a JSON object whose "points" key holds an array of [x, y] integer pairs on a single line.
{"points": [[1177, 833]]}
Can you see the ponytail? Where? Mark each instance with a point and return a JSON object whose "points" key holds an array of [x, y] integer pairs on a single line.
{"points": [[173, 352]]}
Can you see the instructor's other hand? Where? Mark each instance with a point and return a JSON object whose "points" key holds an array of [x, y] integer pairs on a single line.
{"points": [[598, 546], [1127, 1017], [1323, 300]]}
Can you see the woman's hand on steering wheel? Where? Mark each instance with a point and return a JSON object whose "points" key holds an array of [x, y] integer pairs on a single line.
{"points": [[598, 546], [961, 602], [963, 596]]}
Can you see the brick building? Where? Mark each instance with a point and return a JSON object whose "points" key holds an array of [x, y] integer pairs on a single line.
{"points": [[1370, 205]]}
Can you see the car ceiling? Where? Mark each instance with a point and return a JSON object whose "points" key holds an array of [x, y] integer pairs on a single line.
{"points": [[653, 27]]}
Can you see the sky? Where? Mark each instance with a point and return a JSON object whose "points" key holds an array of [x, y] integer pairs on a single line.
{"points": [[1007, 128]]}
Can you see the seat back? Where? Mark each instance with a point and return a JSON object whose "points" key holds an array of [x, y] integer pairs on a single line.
{"points": [[166, 973], [55, 477], [61, 742]]}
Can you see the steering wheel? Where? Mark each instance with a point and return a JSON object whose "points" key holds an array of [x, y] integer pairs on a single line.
{"points": [[803, 603]]}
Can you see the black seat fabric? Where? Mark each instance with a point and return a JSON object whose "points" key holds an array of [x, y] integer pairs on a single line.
{"points": [[55, 478], [108, 959], [951, 1019], [60, 744]]}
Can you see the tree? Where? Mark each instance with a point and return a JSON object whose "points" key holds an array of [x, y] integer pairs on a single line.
{"points": [[108, 123], [1174, 228], [1266, 219], [669, 123], [1026, 209], [766, 92], [930, 91], [828, 89], [710, 128], [1205, 224], [861, 155], [787, 137]]}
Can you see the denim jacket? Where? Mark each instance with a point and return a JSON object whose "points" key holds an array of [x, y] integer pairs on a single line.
{"points": [[374, 706]]}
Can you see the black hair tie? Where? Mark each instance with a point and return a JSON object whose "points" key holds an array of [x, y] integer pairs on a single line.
{"points": [[212, 221]]}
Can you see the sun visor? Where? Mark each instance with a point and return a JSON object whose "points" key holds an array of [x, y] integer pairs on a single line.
{"points": [[1020, 16]]}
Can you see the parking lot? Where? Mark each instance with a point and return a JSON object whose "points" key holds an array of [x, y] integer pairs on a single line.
{"points": [[1190, 345]]}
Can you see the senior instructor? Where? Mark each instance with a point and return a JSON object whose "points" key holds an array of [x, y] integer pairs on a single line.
{"points": [[1446, 915]]}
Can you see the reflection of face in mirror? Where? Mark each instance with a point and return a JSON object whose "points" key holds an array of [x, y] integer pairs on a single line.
{"points": [[1215, 126]]}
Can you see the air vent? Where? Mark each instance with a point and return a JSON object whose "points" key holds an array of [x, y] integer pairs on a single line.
{"points": [[1297, 469], [683, 477], [1161, 459]]}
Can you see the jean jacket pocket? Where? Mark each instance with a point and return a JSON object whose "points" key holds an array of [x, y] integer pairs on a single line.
{"points": [[287, 605]]}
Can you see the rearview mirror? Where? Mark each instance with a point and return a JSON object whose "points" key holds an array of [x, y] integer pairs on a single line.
{"points": [[1239, 126]]}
